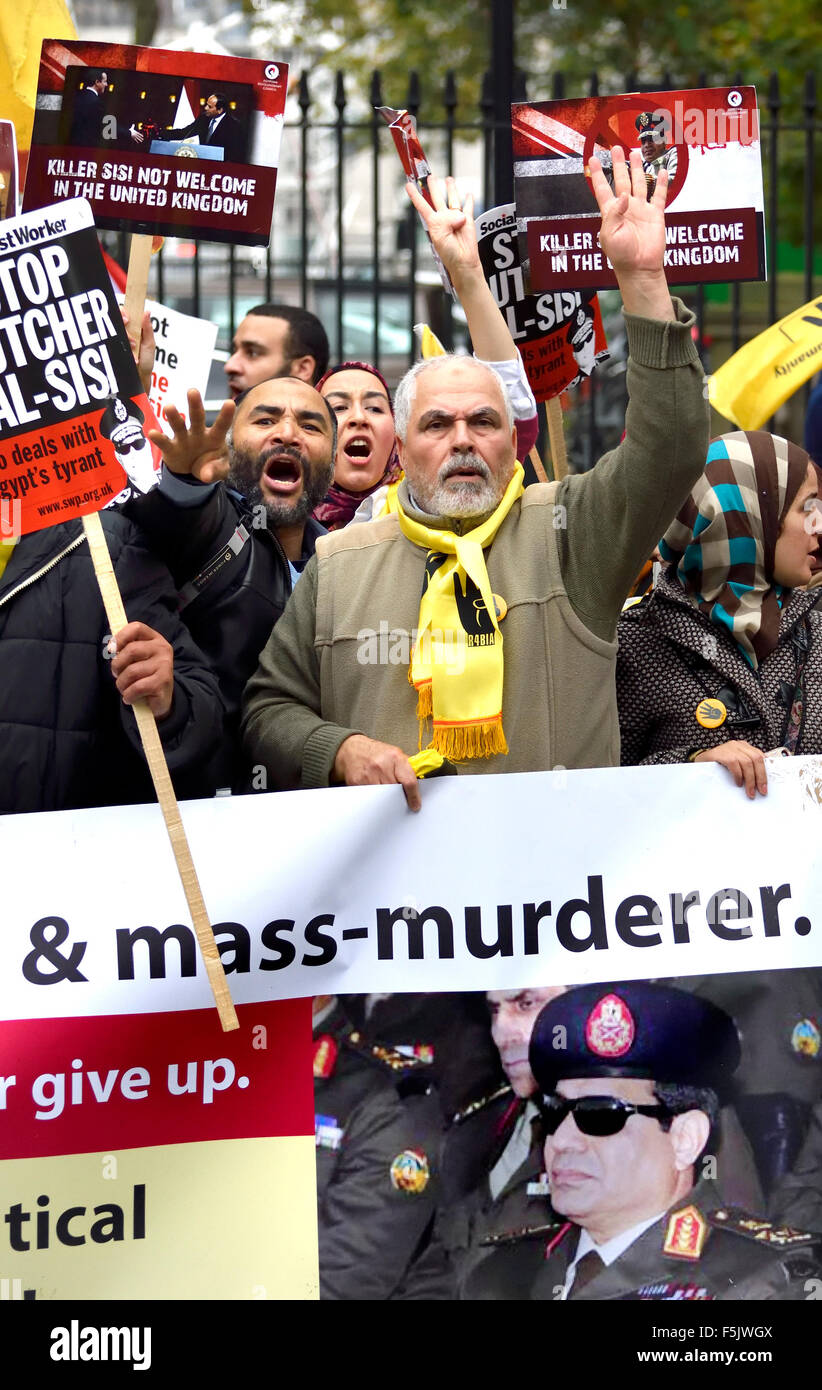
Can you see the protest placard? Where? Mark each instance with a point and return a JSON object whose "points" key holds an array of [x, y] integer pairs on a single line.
{"points": [[71, 402], [707, 139], [407, 909], [403, 127], [560, 336], [71, 408], [165, 142], [148, 1156], [185, 346]]}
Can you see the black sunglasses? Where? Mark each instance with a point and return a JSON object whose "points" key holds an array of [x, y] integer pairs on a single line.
{"points": [[129, 444], [599, 1116]]}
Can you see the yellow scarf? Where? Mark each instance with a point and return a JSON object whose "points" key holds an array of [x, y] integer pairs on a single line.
{"points": [[456, 665]]}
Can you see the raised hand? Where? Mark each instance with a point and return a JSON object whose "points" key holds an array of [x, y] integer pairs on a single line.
{"points": [[196, 449], [450, 225], [633, 233]]}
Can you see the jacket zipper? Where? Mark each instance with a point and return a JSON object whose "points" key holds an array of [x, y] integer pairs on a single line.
{"points": [[50, 566]]}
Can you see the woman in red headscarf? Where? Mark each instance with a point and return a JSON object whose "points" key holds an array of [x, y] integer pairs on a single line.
{"points": [[366, 456]]}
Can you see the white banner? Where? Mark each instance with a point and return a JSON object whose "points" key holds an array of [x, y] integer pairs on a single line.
{"points": [[499, 882], [185, 346]]}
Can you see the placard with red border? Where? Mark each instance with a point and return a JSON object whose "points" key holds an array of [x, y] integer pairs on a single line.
{"points": [[130, 128], [714, 215]]}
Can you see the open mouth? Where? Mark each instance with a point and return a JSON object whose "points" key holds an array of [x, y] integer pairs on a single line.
{"points": [[468, 469], [283, 473], [358, 450]]}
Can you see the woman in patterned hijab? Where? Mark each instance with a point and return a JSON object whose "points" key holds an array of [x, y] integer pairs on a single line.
{"points": [[723, 661], [726, 540]]}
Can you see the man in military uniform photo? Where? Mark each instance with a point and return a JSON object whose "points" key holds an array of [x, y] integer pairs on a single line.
{"points": [[377, 1129], [655, 153], [630, 1078], [492, 1167]]}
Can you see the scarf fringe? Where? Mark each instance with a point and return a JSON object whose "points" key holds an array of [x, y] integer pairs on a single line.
{"points": [[473, 741], [425, 709], [425, 700]]}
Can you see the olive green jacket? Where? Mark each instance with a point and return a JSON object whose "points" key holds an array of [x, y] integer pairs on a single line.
{"points": [[563, 560]]}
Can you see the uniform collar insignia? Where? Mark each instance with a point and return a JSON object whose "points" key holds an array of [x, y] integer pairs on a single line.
{"points": [[686, 1233]]}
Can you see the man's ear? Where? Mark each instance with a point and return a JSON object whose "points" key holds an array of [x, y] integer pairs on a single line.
{"points": [[303, 368], [400, 451], [689, 1135]]}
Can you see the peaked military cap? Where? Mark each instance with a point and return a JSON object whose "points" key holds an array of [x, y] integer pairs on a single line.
{"points": [[122, 421], [648, 123], [634, 1029]]}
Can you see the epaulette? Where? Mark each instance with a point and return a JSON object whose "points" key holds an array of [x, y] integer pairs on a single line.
{"points": [[477, 1105], [741, 1223], [544, 1232], [399, 1063]]}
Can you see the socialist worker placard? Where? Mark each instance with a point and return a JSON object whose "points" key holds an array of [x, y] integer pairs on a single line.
{"points": [[560, 336], [159, 142], [72, 408]]}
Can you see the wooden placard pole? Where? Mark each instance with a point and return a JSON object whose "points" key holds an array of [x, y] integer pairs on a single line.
{"points": [[139, 261], [556, 435], [538, 466]]}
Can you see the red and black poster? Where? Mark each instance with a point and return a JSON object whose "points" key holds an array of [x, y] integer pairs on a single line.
{"points": [[417, 170], [706, 139], [559, 335], [164, 143], [72, 408]]}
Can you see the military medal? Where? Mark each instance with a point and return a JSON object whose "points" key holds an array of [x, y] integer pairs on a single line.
{"points": [[327, 1133], [409, 1172], [806, 1038]]}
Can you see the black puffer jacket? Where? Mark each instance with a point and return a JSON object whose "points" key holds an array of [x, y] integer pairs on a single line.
{"points": [[66, 738], [671, 656]]}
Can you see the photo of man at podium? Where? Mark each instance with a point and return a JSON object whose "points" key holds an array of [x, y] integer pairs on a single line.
{"points": [[219, 135]]}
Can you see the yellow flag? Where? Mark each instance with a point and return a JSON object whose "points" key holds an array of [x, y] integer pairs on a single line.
{"points": [[750, 386], [430, 345], [23, 26]]}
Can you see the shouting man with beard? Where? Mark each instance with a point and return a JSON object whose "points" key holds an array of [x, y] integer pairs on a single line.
{"points": [[237, 548]]}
